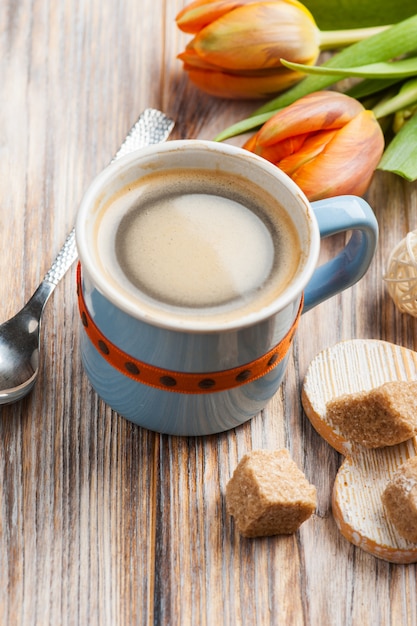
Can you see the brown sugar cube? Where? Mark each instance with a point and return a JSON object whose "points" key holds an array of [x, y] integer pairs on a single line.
{"points": [[400, 499], [269, 495], [383, 416]]}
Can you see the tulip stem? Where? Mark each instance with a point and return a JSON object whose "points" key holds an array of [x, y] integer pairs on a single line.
{"points": [[331, 39], [406, 97]]}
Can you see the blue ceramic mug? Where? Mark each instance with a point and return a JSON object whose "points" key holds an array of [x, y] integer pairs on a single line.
{"points": [[198, 368]]}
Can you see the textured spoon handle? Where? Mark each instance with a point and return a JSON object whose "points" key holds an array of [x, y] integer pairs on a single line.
{"points": [[153, 126], [63, 261]]}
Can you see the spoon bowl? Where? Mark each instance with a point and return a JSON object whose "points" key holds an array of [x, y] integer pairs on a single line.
{"points": [[19, 347]]}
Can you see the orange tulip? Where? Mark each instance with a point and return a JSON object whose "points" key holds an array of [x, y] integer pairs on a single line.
{"points": [[238, 45], [326, 142]]}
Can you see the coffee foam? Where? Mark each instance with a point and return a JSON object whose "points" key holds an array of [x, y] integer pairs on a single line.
{"points": [[236, 254]]}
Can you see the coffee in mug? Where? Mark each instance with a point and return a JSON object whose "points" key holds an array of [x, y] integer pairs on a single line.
{"points": [[197, 243]]}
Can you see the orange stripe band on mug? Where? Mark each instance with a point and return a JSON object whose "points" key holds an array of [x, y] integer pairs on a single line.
{"points": [[181, 382]]}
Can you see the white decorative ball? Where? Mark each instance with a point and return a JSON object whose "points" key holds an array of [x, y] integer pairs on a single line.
{"points": [[401, 275]]}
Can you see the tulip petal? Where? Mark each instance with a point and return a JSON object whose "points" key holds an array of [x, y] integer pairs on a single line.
{"points": [[200, 13], [279, 151], [310, 149], [258, 35], [250, 144], [347, 163], [321, 110], [243, 86], [191, 60]]}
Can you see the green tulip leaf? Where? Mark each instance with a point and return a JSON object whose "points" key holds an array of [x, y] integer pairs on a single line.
{"points": [[371, 86], [336, 14], [243, 126], [393, 69], [400, 157]]}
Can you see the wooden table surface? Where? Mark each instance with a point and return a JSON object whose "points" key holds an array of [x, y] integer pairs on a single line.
{"points": [[102, 522]]}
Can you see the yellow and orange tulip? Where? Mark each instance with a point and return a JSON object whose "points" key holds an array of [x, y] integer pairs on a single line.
{"points": [[238, 44], [327, 142]]}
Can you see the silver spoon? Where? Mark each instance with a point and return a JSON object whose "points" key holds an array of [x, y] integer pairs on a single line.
{"points": [[20, 336]]}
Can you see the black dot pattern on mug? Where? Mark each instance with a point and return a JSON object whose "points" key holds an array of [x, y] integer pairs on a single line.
{"points": [[181, 382], [207, 383], [273, 359], [103, 347], [132, 368], [168, 381], [243, 376]]}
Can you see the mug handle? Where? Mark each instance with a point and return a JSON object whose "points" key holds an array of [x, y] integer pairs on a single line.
{"points": [[336, 215]]}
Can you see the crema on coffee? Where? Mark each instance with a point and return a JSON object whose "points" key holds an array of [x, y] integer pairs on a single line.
{"points": [[198, 242]]}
